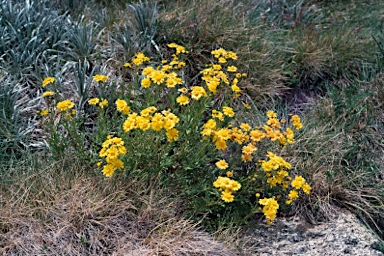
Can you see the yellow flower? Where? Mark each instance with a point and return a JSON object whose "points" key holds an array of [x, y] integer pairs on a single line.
{"points": [[256, 135], [229, 174], [100, 78], [47, 94], [293, 194], [228, 111], [127, 65], [146, 82], [257, 194], [103, 103], [139, 58], [217, 114], [183, 90], [270, 207], [171, 82], [221, 145], [224, 134], [306, 188], [222, 60], [236, 88], [296, 122], [298, 182], [147, 71], [65, 105], [172, 135], [44, 112], [48, 80], [246, 105], [93, 101], [245, 127], [122, 106], [249, 149], [227, 197], [246, 158], [157, 76], [198, 92], [232, 69], [222, 164], [271, 114]]}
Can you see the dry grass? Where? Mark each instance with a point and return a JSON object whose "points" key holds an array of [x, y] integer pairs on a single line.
{"points": [[63, 210], [341, 153]]}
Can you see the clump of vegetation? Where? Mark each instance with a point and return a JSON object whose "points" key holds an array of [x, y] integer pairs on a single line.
{"points": [[149, 102]]}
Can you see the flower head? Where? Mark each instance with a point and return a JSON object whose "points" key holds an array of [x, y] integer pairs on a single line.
{"points": [[48, 80], [65, 105], [222, 164], [47, 94], [100, 78]]}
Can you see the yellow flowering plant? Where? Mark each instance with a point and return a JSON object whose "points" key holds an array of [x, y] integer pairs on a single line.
{"points": [[189, 133]]}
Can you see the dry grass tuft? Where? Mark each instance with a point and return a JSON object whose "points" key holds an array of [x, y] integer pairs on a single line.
{"points": [[341, 151], [65, 210]]}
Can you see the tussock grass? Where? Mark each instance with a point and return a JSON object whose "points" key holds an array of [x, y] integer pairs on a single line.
{"points": [[341, 150], [61, 208]]}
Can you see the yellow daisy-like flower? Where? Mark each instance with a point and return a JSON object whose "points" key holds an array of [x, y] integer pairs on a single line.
{"points": [[306, 188], [158, 76], [232, 69], [127, 65], [172, 135], [103, 103], [229, 174], [65, 105], [222, 60], [271, 114], [47, 94], [236, 88], [227, 197], [100, 78], [182, 100], [228, 111], [48, 80], [293, 194], [183, 90], [146, 82], [245, 127], [198, 92], [93, 101], [44, 112], [222, 164]]}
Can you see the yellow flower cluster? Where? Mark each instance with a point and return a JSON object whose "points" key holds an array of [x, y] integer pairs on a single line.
{"points": [[298, 183], [122, 106], [161, 75], [100, 78], [245, 134], [139, 59], [275, 169], [148, 119], [65, 105], [296, 122], [227, 186], [270, 208], [214, 74], [112, 148], [96, 101]]}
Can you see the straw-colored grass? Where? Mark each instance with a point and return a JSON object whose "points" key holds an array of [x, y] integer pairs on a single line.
{"points": [[62, 209]]}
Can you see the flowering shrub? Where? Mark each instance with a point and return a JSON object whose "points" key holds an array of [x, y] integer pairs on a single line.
{"points": [[160, 126]]}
